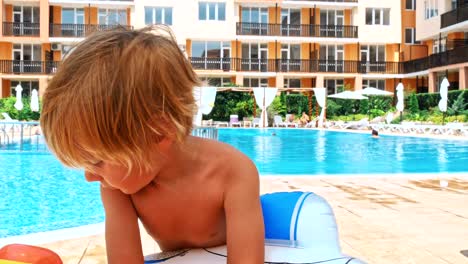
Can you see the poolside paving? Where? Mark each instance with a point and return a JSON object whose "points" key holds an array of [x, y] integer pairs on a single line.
{"points": [[396, 219]]}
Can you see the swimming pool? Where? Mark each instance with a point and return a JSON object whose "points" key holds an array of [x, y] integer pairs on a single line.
{"points": [[38, 194]]}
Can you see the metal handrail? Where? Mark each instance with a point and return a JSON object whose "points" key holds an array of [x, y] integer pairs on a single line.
{"points": [[205, 132], [12, 132], [19, 132]]}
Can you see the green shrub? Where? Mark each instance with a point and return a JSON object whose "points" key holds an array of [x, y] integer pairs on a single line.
{"points": [[296, 104], [231, 103], [364, 106], [373, 113], [413, 106], [458, 106], [333, 108], [7, 106], [277, 107]]}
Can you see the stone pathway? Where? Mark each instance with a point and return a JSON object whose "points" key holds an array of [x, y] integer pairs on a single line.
{"points": [[383, 220]]}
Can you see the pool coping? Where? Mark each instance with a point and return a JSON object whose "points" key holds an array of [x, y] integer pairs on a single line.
{"points": [[431, 136], [98, 228], [54, 235]]}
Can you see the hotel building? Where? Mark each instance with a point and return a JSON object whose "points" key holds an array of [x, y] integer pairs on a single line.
{"points": [[256, 43]]}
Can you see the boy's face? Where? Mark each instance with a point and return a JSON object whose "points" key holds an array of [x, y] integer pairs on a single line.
{"points": [[117, 176]]}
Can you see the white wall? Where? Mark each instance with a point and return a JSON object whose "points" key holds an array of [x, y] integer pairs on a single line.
{"points": [[429, 28], [185, 23], [379, 33]]}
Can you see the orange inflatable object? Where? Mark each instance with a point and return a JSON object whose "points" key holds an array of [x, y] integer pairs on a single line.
{"points": [[25, 254]]}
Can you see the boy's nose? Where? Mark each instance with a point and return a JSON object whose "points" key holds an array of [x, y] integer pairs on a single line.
{"points": [[91, 177]]}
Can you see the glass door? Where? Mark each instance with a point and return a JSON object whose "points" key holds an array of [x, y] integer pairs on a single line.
{"points": [[290, 22], [17, 57], [17, 21], [263, 59], [339, 22], [364, 59], [285, 57]]}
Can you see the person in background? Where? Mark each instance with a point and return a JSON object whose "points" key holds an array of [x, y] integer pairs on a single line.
{"points": [[304, 119], [375, 133]]}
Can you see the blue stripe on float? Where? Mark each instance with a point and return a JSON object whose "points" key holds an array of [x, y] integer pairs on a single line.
{"points": [[298, 215]]}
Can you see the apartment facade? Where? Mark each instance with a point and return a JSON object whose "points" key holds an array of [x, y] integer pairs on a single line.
{"points": [[256, 43]]}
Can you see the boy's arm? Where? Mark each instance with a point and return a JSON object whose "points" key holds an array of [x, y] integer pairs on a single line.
{"points": [[123, 242], [244, 220]]}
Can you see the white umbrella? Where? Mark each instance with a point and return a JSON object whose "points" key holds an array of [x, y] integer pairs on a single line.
{"points": [[374, 91], [204, 98], [34, 101], [264, 97], [321, 97], [19, 102], [348, 95], [401, 97], [443, 95]]}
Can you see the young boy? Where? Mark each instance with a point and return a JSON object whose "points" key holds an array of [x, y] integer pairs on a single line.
{"points": [[121, 107]]}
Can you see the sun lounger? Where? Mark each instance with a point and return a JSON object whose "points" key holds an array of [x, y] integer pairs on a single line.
{"points": [[278, 121], [234, 121], [361, 124], [256, 122]]}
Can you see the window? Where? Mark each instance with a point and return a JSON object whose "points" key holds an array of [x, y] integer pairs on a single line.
{"points": [[212, 11], [431, 8], [255, 15], [292, 83], [211, 55], [27, 86], [254, 57], [158, 15], [67, 50], [373, 53], [334, 85], [331, 58], [112, 16], [439, 46], [26, 14], [410, 5], [410, 36], [211, 49], [72, 15], [217, 81], [255, 82], [378, 16], [379, 84]]}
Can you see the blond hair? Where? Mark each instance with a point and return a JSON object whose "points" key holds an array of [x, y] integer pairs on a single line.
{"points": [[117, 94]]}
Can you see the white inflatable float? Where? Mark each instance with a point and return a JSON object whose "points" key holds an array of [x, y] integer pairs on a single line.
{"points": [[300, 228]]}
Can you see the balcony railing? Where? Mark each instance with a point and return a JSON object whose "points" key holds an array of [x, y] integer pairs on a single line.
{"points": [[21, 29], [288, 30], [455, 43], [79, 30], [330, 1], [294, 65], [456, 54], [23, 66], [455, 16], [416, 65]]}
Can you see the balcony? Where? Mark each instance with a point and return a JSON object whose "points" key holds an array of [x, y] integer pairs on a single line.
{"points": [[31, 67], [329, 1], [21, 29], [455, 53], [320, 31], [79, 30], [455, 16], [293, 65]]}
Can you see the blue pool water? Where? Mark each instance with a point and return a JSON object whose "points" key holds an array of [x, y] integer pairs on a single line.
{"points": [[38, 194]]}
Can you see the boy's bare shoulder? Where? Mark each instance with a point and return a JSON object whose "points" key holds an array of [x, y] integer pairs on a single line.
{"points": [[230, 160]]}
